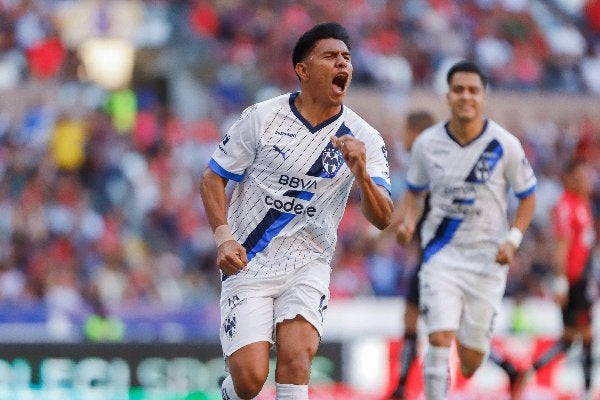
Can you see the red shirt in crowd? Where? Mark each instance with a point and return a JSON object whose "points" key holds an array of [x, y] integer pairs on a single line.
{"points": [[572, 217]]}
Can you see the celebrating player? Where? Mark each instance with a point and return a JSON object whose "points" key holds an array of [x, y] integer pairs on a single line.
{"points": [[466, 164], [294, 158]]}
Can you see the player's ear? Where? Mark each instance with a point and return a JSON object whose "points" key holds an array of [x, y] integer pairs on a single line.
{"points": [[301, 70]]}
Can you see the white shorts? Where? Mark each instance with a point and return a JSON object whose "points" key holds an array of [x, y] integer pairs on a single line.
{"points": [[251, 307], [462, 301]]}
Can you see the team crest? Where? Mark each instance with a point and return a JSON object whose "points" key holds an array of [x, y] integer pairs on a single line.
{"points": [[332, 161], [229, 326], [482, 170]]}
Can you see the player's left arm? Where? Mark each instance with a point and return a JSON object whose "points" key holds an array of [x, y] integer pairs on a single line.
{"points": [[523, 217], [520, 176], [376, 202]]}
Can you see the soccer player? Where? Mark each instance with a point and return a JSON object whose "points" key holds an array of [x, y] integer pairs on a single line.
{"points": [[416, 122], [294, 158], [467, 166], [574, 286]]}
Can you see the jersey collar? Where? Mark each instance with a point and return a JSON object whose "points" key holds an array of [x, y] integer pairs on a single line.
{"points": [[311, 128], [485, 125]]}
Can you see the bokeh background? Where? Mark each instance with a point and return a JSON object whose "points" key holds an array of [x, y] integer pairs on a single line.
{"points": [[110, 110]]}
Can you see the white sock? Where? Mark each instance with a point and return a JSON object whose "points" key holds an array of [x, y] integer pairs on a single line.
{"points": [[436, 373], [227, 390], [287, 391]]}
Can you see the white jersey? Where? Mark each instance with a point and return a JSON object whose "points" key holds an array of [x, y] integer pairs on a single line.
{"points": [[292, 184], [468, 186]]}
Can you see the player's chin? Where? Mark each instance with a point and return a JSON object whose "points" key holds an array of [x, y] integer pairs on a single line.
{"points": [[466, 117], [337, 99]]}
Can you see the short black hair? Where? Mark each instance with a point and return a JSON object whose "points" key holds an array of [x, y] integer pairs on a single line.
{"points": [[467, 66], [325, 30]]}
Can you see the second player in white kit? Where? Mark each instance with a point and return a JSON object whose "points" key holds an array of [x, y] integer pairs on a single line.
{"points": [[468, 165]]}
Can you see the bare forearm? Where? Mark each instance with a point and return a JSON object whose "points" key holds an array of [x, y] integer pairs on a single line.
{"points": [[414, 205], [524, 213], [560, 256], [212, 191], [376, 203]]}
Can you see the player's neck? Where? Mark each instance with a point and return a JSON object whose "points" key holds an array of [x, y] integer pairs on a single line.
{"points": [[465, 131], [314, 111]]}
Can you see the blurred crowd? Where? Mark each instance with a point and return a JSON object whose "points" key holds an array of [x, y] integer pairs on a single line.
{"points": [[99, 211]]}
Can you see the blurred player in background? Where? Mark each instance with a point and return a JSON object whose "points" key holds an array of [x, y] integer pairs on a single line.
{"points": [[295, 158], [574, 285], [416, 122], [466, 165]]}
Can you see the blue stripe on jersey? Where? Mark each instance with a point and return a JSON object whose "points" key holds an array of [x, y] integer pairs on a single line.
{"points": [[463, 201], [443, 235], [415, 188], [299, 194], [265, 231], [486, 163], [526, 193], [383, 183], [330, 160], [223, 172]]}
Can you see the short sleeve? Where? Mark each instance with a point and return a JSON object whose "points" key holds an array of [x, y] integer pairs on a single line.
{"points": [[237, 150], [417, 177], [519, 172], [377, 163]]}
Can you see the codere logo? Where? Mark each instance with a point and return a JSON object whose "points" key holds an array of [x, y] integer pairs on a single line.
{"points": [[294, 206], [290, 206]]}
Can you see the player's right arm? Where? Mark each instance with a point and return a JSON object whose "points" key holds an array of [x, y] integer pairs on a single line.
{"points": [[231, 256], [412, 204]]}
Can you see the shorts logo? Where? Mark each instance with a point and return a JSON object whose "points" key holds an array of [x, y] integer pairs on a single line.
{"points": [[229, 326], [332, 161], [234, 300], [224, 394], [322, 307]]}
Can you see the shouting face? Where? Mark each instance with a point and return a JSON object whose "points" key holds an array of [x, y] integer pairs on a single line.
{"points": [[327, 71]]}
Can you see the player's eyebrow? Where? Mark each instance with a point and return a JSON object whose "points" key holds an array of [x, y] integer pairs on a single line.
{"points": [[344, 53], [468, 87]]}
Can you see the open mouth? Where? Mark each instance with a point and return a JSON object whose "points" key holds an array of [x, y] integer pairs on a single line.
{"points": [[339, 83]]}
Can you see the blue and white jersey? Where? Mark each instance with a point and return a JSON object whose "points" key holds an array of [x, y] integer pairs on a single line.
{"points": [[293, 185], [469, 186]]}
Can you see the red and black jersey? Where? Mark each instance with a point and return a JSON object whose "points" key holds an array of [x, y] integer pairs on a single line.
{"points": [[573, 220]]}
